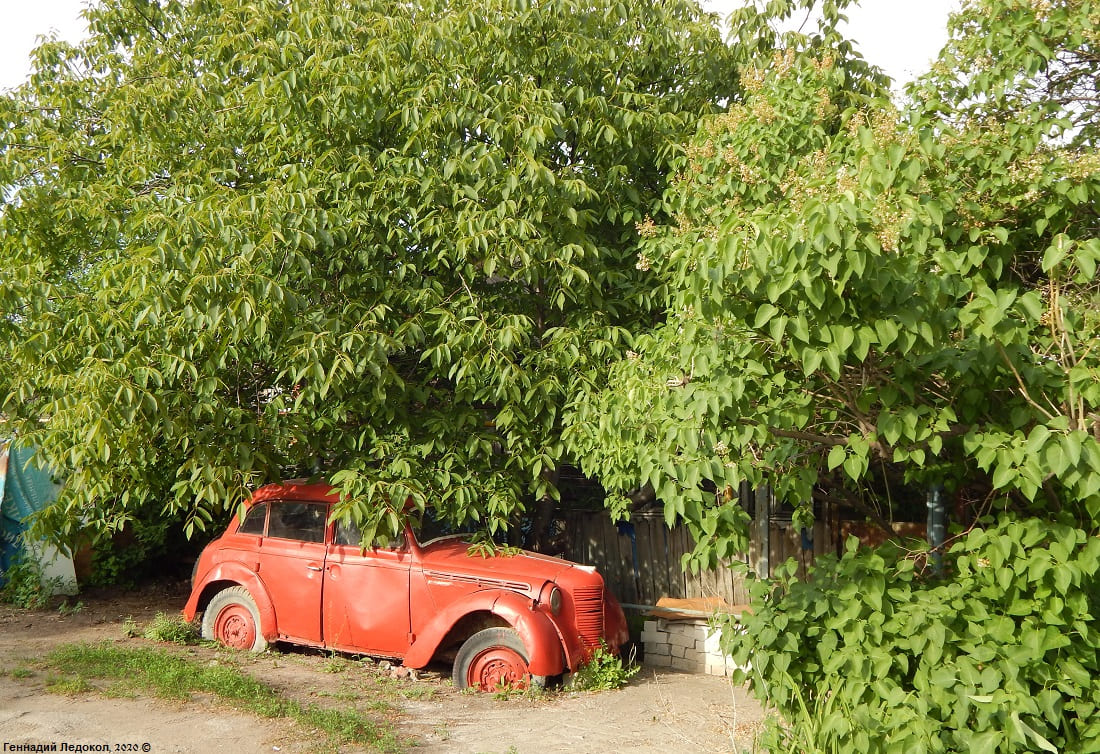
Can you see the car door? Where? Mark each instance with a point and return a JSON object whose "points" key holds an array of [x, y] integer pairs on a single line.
{"points": [[366, 595], [292, 562]]}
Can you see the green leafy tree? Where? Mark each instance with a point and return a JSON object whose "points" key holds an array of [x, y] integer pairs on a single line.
{"points": [[853, 287], [374, 240]]}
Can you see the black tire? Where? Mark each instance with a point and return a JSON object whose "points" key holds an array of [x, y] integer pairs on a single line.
{"points": [[494, 658], [232, 619]]}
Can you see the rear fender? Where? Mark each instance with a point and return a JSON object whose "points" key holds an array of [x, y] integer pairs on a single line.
{"points": [[540, 638], [237, 574]]}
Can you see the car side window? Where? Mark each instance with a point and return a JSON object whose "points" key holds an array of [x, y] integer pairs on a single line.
{"points": [[304, 522], [348, 534], [254, 520]]}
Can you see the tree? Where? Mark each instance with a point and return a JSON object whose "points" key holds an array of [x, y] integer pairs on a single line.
{"points": [[373, 240], [852, 286]]}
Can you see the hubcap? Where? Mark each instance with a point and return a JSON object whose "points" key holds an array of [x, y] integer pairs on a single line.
{"points": [[234, 628], [497, 668]]}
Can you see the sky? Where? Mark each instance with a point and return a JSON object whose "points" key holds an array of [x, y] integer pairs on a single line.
{"points": [[901, 36]]}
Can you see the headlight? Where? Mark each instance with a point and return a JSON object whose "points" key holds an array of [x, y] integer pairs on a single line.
{"points": [[552, 598]]}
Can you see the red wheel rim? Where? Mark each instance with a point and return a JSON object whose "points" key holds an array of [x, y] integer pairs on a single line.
{"points": [[235, 628], [496, 668]]}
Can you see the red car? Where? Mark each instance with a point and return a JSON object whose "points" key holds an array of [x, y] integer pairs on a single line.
{"points": [[287, 573]]}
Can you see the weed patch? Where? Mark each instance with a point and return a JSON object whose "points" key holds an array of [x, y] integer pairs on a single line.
{"points": [[173, 629], [603, 672]]}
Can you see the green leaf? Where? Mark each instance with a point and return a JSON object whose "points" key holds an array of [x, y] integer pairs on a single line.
{"points": [[886, 331], [1056, 252], [1031, 733], [763, 314], [837, 455]]}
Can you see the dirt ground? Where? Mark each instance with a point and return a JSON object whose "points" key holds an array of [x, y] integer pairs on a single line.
{"points": [[659, 711]]}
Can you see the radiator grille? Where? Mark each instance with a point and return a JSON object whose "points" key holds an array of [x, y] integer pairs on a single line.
{"points": [[588, 605]]}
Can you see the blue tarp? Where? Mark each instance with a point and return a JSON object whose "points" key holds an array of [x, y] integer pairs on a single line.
{"points": [[24, 489]]}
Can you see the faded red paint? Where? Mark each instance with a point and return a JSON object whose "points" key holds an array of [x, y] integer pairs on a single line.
{"points": [[412, 601]]}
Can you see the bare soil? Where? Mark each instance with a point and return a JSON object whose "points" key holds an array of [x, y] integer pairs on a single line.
{"points": [[657, 712]]}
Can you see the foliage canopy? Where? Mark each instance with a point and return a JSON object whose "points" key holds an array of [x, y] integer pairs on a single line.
{"points": [[376, 240], [853, 286]]}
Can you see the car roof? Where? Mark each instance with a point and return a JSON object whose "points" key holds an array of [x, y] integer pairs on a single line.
{"points": [[296, 489]]}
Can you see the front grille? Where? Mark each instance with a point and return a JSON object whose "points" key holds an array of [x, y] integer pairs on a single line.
{"points": [[588, 607]]}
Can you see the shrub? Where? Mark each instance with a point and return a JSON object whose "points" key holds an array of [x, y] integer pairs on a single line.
{"points": [[874, 653], [603, 672], [25, 586], [150, 543]]}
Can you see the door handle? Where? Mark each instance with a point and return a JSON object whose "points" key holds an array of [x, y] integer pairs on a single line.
{"points": [[314, 567]]}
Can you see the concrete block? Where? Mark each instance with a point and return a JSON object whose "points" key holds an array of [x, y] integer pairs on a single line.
{"points": [[714, 659], [689, 664], [681, 640], [714, 668], [712, 643], [654, 636], [657, 648], [657, 661], [650, 625], [676, 651], [689, 628]]}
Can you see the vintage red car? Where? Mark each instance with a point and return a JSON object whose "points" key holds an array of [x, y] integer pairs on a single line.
{"points": [[286, 573]]}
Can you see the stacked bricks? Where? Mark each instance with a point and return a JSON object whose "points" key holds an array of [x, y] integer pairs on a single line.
{"points": [[689, 645]]}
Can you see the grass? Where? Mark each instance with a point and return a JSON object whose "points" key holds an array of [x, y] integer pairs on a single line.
{"points": [[68, 685], [124, 671], [417, 693]]}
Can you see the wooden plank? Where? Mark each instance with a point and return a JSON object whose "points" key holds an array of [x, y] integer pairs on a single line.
{"points": [[653, 574], [645, 567], [676, 548], [674, 578], [626, 559], [655, 552], [619, 548]]}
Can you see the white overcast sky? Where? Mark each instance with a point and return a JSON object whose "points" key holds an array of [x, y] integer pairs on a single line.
{"points": [[901, 36]]}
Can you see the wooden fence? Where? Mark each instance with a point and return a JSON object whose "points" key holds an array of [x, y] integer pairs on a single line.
{"points": [[641, 561]]}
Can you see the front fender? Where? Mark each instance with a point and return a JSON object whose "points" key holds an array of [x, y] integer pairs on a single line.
{"points": [[540, 638], [238, 574]]}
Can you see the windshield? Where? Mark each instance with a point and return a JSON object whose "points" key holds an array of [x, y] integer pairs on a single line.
{"points": [[433, 526]]}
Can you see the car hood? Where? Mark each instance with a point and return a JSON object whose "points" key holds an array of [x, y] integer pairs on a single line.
{"points": [[451, 556]]}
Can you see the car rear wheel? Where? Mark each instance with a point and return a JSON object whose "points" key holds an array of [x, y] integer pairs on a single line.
{"points": [[232, 619], [494, 658]]}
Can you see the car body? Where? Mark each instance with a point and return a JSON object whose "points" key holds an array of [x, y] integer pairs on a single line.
{"points": [[284, 571]]}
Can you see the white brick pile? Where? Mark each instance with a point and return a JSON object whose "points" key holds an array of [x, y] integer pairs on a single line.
{"points": [[689, 645]]}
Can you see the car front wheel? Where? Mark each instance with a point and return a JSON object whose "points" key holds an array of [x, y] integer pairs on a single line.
{"points": [[492, 659], [232, 619]]}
